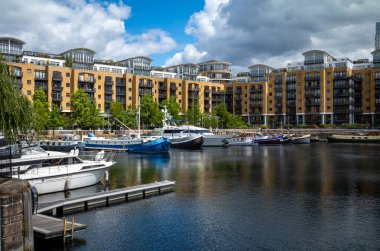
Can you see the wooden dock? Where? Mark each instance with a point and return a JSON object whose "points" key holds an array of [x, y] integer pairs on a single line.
{"points": [[47, 227], [106, 197]]}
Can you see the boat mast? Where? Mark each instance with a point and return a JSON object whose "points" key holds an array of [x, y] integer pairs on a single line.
{"points": [[138, 118]]}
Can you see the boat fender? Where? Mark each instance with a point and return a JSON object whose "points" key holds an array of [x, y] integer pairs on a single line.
{"points": [[67, 184], [76, 152], [71, 152], [106, 176]]}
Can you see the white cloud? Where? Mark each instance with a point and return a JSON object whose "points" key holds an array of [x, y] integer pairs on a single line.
{"points": [[55, 26], [275, 32], [190, 54]]}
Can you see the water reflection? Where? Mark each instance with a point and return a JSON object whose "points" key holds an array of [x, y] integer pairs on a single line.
{"points": [[324, 196]]}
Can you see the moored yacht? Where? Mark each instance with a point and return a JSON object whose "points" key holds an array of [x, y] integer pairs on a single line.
{"points": [[68, 143]]}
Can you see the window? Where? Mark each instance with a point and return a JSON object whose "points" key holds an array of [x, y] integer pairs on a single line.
{"points": [[99, 106], [129, 98], [270, 102], [67, 95], [328, 83], [129, 89], [179, 93], [29, 71], [299, 84], [99, 96], [99, 77], [67, 84], [367, 108], [67, 74], [299, 109], [328, 73], [328, 107], [270, 109], [270, 86], [328, 90], [270, 94], [28, 92], [99, 87], [327, 99], [368, 100], [299, 92], [29, 82], [67, 104]]}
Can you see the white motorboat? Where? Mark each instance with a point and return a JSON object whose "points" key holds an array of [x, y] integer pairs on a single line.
{"points": [[66, 172], [301, 139], [209, 138], [241, 140]]}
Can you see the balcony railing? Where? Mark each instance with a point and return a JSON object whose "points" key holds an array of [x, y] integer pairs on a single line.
{"points": [[57, 97], [87, 80]]}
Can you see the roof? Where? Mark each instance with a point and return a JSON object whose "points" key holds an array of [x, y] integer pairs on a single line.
{"points": [[13, 39], [215, 61], [147, 58], [82, 48], [260, 65], [319, 51]]}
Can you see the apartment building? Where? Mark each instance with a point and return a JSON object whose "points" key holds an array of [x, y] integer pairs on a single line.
{"points": [[321, 89]]}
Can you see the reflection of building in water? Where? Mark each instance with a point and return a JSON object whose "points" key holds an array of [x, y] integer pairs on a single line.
{"points": [[268, 173]]}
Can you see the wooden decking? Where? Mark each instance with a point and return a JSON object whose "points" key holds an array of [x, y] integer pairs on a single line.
{"points": [[106, 197], [47, 227]]}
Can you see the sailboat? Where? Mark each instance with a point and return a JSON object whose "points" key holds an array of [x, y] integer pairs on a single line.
{"points": [[133, 142]]}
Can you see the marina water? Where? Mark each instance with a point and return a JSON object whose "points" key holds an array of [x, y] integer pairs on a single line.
{"points": [[298, 197]]}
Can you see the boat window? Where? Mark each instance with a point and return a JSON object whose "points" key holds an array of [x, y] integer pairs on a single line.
{"points": [[64, 161], [59, 143], [76, 160]]}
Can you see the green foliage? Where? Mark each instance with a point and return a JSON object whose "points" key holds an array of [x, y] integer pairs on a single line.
{"points": [[208, 120], [193, 115], [150, 112], [56, 119], [15, 108], [68, 61], [128, 117], [40, 111], [235, 121], [85, 114], [173, 107], [263, 126]]}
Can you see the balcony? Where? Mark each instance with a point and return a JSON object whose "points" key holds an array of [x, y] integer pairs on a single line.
{"points": [[173, 88], [162, 87], [57, 77], [39, 85], [17, 74], [57, 88], [145, 85], [341, 111], [314, 61], [40, 78], [86, 79], [207, 98], [338, 103], [238, 98], [110, 82], [278, 97], [254, 105], [377, 86], [108, 91], [237, 91], [341, 77], [308, 94], [312, 78], [341, 94], [57, 97], [207, 91], [278, 88], [256, 90], [120, 83], [196, 89]]}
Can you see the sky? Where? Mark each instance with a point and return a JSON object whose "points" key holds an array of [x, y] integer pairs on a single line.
{"points": [[242, 32]]}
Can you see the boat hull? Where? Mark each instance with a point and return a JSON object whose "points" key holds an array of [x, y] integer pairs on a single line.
{"points": [[64, 182], [61, 147], [275, 141], [191, 142], [154, 146], [302, 139], [353, 139], [216, 140]]}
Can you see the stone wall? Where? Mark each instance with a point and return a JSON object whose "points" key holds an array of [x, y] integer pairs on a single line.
{"points": [[15, 215]]}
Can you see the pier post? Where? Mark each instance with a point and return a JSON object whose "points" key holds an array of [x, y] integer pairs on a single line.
{"points": [[126, 197], [159, 190], [15, 215], [144, 193], [86, 206], [107, 201]]}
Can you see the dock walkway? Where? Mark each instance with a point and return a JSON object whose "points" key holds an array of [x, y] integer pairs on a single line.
{"points": [[47, 227], [106, 197]]}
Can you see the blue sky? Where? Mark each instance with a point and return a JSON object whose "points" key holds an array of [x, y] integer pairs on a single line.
{"points": [[242, 32], [169, 15]]}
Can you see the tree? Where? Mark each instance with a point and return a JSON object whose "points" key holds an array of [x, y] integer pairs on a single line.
{"points": [[40, 111], [117, 112], [130, 117], [68, 61], [209, 120], [150, 112], [235, 122], [173, 107], [15, 108], [222, 113], [194, 114], [56, 119], [85, 113]]}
